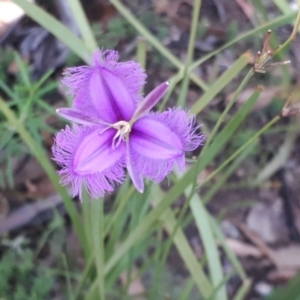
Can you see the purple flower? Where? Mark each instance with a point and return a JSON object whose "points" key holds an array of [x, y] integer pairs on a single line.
{"points": [[115, 129]]}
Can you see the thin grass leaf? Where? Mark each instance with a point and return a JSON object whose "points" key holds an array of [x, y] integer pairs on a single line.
{"points": [[118, 211], [221, 284], [283, 6], [23, 70], [173, 82], [184, 249], [7, 90], [98, 243], [141, 51], [241, 149], [83, 24], [45, 106], [153, 40], [235, 122], [146, 33], [211, 250], [2, 182], [280, 21], [9, 172], [223, 178], [55, 27], [220, 83], [290, 291], [231, 256], [244, 289], [40, 155], [87, 222], [68, 279], [187, 290], [190, 54], [45, 77], [278, 161], [5, 137], [85, 274], [44, 90], [181, 101], [188, 255]]}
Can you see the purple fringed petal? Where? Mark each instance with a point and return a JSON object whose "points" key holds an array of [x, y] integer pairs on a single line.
{"points": [[177, 130], [183, 124], [149, 102], [108, 89], [79, 117], [87, 159], [153, 139], [95, 152], [137, 179]]}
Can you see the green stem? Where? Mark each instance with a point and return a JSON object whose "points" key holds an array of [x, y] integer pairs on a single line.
{"points": [[195, 20], [292, 36], [83, 24], [98, 238], [42, 158], [190, 54], [55, 27], [141, 54], [184, 89], [116, 215], [243, 290]]}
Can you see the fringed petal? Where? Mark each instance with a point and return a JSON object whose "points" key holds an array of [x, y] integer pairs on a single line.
{"points": [[75, 115], [108, 89], [87, 159], [150, 101], [136, 177], [158, 149], [182, 123], [153, 139]]}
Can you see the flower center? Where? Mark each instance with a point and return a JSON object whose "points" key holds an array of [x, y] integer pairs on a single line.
{"points": [[123, 128]]}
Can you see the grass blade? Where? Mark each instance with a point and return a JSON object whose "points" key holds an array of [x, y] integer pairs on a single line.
{"points": [[55, 27], [153, 40], [183, 247], [83, 24], [243, 290], [231, 256], [98, 243], [211, 250], [261, 29], [220, 83], [190, 53], [40, 155]]}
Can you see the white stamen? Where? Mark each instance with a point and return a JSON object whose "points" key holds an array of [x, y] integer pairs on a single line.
{"points": [[123, 129]]}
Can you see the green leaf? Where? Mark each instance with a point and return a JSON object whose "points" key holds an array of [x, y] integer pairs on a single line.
{"points": [[55, 27], [184, 249], [213, 258], [83, 24], [40, 155], [220, 83], [290, 291]]}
